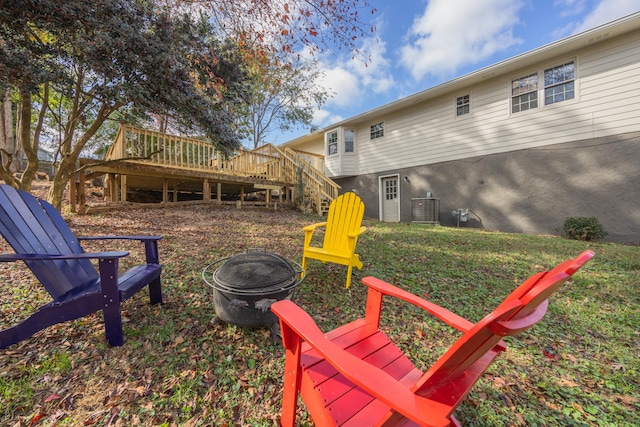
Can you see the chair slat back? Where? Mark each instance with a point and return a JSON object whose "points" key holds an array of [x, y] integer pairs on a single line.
{"points": [[550, 282], [467, 350], [33, 226], [345, 216], [518, 312]]}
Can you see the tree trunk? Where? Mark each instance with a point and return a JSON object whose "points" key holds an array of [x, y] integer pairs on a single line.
{"points": [[7, 141], [24, 140], [8, 161], [67, 168], [64, 173]]}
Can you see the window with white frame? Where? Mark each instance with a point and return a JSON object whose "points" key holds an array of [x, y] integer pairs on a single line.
{"points": [[524, 93], [349, 141], [559, 83], [332, 143], [462, 105], [377, 130]]}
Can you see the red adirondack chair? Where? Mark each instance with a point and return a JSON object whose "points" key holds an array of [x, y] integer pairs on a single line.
{"points": [[42, 239], [356, 376]]}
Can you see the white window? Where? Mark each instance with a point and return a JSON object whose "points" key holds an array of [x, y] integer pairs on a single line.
{"points": [[559, 84], [349, 143], [462, 105], [332, 143], [377, 130], [524, 93]]}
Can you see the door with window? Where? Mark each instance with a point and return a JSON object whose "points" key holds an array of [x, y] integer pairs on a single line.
{"points": [[390, 199]]}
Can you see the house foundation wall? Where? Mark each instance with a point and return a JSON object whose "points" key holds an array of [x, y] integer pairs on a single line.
{"points": [[527, 191]]}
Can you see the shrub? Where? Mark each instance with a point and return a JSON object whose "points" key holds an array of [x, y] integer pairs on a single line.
{"points": [[586, 228]]}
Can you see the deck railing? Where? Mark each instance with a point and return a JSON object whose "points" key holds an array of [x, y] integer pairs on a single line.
{"points": [[326, 187], [265, 162], [151, 147]]}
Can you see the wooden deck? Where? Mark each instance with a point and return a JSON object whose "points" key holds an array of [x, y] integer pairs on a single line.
{"points": [[182, 168]]}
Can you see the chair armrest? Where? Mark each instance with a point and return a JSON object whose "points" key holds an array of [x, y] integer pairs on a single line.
{"points": [[308, 232], [49, 257], [366, 376], [140, 238], [441, 313], [108, 265], [312, 227], [150, 244], [357, 233]]}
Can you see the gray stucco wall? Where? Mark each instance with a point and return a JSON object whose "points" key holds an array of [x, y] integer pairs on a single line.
{"points": [[528, 191]]}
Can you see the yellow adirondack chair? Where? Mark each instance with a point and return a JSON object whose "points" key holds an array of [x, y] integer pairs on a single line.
{"points": [[342, 228]]}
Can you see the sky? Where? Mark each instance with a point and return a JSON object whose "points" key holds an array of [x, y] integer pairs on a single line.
{"points": [[419, 44]]}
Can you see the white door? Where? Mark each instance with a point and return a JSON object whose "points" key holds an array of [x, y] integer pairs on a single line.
{"points": [[390, 205]]}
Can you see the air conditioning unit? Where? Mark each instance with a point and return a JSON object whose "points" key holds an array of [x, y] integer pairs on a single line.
{"points": [[425, 210]]}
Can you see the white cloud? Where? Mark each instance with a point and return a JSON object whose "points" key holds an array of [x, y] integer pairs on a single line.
{"points": [[450, 35], [570, 7], [376, 75], [351, 80], [606, 11], [326, 116], [343, 83]]}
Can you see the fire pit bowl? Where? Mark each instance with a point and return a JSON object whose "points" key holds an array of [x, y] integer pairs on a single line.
{"points": [[245, 286]]}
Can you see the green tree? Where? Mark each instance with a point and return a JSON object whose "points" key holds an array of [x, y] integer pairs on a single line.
{"points": [[282, 96], [79, 62], [272, 35], [72, 65]]}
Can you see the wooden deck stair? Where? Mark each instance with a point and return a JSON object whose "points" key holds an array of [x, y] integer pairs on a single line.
{"points": [[146, 160]]}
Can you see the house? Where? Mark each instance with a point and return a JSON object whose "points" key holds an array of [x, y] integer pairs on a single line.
{"points": [[46, 162], [517, 146]]}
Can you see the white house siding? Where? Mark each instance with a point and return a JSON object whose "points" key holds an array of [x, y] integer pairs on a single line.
{"points": [[333, 166], [607, 103], [349, 164], [342, 165]]}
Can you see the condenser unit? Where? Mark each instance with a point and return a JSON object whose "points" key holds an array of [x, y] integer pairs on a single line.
{"points": [[425, 210]]}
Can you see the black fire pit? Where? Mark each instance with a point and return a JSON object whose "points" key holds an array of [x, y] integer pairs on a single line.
{"points": [[245, 286]]}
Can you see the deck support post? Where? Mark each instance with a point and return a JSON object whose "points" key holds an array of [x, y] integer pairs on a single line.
{"points": [[165, 190], [111, 188], [123, 188], [206, 190], [219, 192]]}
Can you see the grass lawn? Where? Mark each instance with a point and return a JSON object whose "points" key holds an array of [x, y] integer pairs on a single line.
{"points": [[578, 366]]}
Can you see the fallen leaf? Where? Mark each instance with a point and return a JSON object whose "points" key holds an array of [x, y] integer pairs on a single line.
{"points": [[36, 418], [52, 397]]}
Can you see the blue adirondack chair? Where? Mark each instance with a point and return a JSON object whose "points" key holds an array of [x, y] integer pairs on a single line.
{"points": [[42, 239]]}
